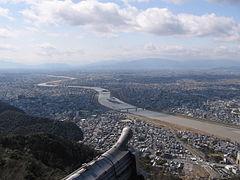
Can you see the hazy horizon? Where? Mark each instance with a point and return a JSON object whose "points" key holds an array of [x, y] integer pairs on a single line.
{"points": [[82, 32]]}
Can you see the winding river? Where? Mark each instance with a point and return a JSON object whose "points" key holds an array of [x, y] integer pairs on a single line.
{"points": [[105, 99]]}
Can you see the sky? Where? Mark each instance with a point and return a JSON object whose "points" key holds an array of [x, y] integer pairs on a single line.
{"points": [[82, 32]]}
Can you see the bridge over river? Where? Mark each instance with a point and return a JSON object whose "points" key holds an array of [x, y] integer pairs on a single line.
{"points": [[105, 99]]}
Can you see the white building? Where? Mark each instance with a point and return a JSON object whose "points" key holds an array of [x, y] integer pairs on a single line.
{"points": [[238, 160]]}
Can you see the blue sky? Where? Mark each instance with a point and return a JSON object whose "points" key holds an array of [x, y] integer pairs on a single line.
{"points": [[82, 32]]}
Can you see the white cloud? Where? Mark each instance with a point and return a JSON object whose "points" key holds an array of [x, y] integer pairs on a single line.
{"points": [[79, 36], [160, 22], [110, 18], [226, 52], [139, 1], [150, 46], [228, 1], [176, 1], [179, 52], [7, 47], [163, 22], [93, 15], [6, 33], [49, 53], [151, 50], [170, 50], [210, 25], [5, 13], [19, 1], [47, 46], [65, 34], [47, 49]]}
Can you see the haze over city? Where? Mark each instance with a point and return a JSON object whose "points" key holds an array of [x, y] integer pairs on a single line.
{"points": [[84, 32], [120, 89]]}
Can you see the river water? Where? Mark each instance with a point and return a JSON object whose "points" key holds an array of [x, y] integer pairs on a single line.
{"points": [[105, 99]]}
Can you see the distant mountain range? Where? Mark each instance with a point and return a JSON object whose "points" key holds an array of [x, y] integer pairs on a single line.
{"points": [[51, 66], [10, 65], [141, 64], [161, 64]]}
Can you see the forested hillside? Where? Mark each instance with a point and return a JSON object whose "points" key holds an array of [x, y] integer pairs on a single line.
{"points": [[38, 148], [16, 123], [7, 107]]}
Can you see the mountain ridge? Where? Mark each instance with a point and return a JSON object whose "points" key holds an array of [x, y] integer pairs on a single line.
{"points": [[137, 64], [164, 64]]}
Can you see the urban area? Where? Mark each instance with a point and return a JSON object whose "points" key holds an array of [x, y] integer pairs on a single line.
{"points": [[160, 149]]}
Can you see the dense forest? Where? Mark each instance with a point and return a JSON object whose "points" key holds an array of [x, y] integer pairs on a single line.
{"points": [[38, 148], [17, 123], [6, 107]]}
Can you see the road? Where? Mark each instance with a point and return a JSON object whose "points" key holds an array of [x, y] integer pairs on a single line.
{"points": [[105, 99]]}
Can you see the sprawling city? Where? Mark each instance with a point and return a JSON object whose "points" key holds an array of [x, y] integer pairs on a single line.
{"points": [[102, 104], [119, 89]]}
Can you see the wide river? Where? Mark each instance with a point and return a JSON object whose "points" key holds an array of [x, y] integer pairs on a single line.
{"points": [[105, 99]]}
